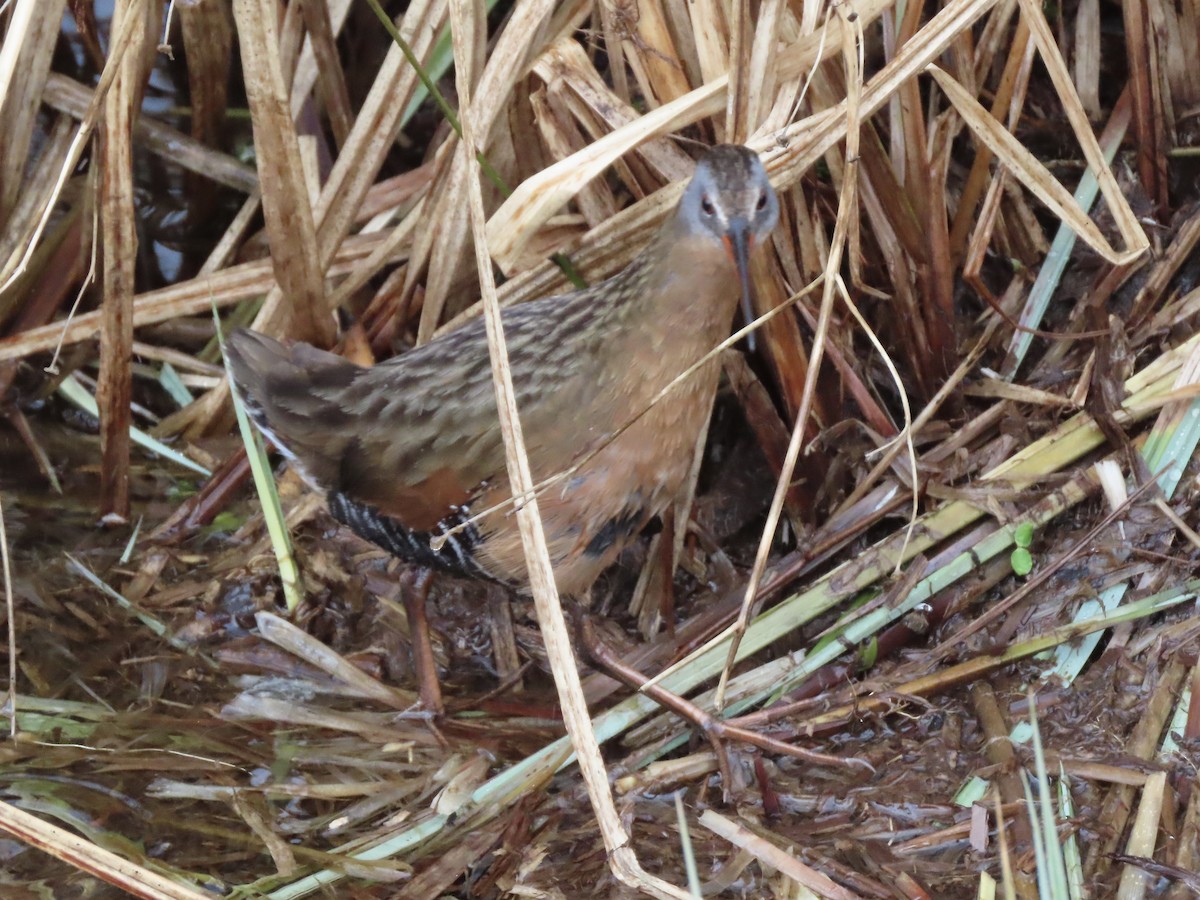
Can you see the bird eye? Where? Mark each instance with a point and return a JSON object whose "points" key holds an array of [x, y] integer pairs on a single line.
{"points": [[707, 207], [762, 201]]}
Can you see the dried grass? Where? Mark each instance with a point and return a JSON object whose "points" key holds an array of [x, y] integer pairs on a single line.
{"points": [[934, 400]]}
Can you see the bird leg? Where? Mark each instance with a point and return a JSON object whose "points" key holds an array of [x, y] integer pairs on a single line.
{"points": [[715, 730], [415, 591], [666, 559]]}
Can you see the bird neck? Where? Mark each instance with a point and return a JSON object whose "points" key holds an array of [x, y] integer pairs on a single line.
{"points": [[692, 286]]}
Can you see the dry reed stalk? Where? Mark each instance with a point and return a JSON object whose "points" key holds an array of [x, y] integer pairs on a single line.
{"points": [[1009, 99], [285, 200], [567, 71], [136, 880], [759, 72], [1183, 243], [28, 210], [1187, 846], [208, 41], [1143, 837], [967, 672], [354, 171], [24, 67], [1087, 56], [286, 635], [1000, 750], [1118, 805], [11, 611], [22, 302], [26, 243], [74, 99], [442, 259], [622, 858], [653, 55], [118, 236], [397, 241], [306, 71], [767, 852], [1147, 98], [331, 79], [558, 132], [187, 298], [536, 199], [223, 252]]}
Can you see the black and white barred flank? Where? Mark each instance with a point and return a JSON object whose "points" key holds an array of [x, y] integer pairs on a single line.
{"points": [[459, 537]]}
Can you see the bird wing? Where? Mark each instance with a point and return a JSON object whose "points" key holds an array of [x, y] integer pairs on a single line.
{"points": [[426, 430], [418, 436]]}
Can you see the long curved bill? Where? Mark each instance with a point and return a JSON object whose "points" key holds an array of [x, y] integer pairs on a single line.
{"points": [[739, 241]]}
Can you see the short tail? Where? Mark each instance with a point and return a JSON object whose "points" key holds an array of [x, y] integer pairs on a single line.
{"points": [[292, 393]]}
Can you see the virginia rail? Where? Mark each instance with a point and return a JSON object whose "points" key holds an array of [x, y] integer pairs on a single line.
{"points": [[410, 449]]}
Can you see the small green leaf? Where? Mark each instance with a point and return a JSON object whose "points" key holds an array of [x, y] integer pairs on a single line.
{"points": [[1024, 534], [1022, 561], [862, 599], [180, 489], [224, 523], [868, 653]]}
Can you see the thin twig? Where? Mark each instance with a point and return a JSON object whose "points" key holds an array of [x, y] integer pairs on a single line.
{"points": [[12, 626]]}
